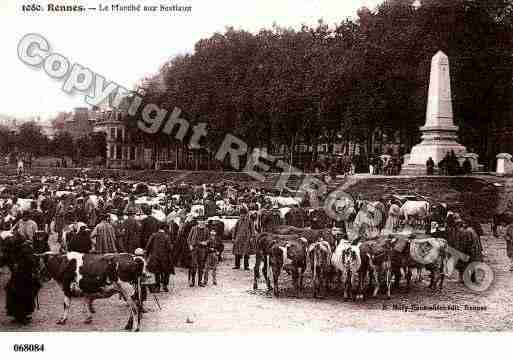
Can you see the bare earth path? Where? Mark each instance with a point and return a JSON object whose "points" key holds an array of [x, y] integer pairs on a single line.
{"points": [[232, 306]]}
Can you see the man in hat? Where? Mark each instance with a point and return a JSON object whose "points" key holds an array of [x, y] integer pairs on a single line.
{"points": [[212, 258], [198, 236], [60, 213], [149, 225], [130, 230], [242, 235], [160, 261], [103, 237], [48, 206], [210, 206]]}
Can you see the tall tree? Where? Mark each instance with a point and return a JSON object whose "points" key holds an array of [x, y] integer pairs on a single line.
{"points": [[31, 140], [62, 145]]}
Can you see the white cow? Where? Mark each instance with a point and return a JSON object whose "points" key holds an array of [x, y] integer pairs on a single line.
{"points": [[5, 234], [25, 204], [284, 211], [418, 211], [285, 201], [59, 194], [197, 210]]}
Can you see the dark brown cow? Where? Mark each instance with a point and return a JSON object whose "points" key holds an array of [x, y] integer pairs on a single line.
{"points": [[319, 219], [95, 276], [269, 219], [280, 251], [319, 257]]}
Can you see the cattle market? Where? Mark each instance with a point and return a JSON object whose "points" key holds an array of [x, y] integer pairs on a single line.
{"points": [[170, 255]]}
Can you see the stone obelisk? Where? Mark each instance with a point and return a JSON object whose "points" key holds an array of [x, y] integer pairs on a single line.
{"points": [[439, 134]]}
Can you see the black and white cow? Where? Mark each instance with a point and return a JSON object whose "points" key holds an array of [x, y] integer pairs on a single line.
{"points": [[97, 276]]}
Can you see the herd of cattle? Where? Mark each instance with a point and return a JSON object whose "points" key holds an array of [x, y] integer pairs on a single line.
{"points": [[368, 248]]}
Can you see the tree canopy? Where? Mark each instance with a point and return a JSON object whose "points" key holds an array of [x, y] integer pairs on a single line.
{"points": [[282, 85]]}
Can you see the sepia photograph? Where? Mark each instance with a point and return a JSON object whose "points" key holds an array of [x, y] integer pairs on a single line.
{"points": [[307, 166]]}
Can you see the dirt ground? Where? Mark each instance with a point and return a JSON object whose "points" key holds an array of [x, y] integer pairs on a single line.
{"points": [[233, 306]]}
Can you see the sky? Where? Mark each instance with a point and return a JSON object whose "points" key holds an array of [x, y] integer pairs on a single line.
{"points": [[126, 47]]}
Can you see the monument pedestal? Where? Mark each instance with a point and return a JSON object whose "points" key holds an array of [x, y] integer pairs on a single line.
{"points": [[439, 134], [436, 143]]}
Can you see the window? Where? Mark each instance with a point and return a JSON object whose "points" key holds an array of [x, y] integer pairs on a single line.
{"points": [[113, 133], [132, 153], [119, 152]]}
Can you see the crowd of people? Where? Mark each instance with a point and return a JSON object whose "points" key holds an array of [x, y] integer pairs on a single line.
{"points": [[170, 225], [107, 216]]}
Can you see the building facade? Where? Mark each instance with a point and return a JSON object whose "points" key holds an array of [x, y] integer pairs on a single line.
{"points": [[80, 123], [121, 151]]}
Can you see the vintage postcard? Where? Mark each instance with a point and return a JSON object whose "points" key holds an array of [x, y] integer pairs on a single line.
{"points": [[255, 167]]}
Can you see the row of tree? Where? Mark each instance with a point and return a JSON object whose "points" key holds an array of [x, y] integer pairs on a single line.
{"points": [[340, 84], [30, 140]]}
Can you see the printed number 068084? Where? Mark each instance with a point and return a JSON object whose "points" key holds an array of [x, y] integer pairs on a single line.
{"points": [[29, 347]]}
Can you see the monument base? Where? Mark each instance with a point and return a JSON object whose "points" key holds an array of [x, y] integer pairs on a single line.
{"points": [[415, 170], [436, 150]]}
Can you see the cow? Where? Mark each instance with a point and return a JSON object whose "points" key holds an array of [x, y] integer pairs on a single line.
{"points": [[269, 219], [280, 251], [439, 213], [372, 215], [319, 257], [7, 222], [501, 219], [295, 217], [348, 260], [421, 251], [393, 218], [379, 253], [197, 210], [285, 201], [416, 213], [97, 276], [319, 219]]}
